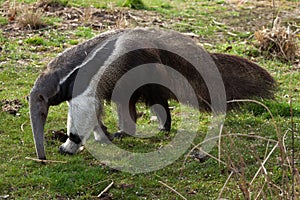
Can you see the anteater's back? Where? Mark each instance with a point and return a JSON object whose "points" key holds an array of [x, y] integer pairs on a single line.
{"points": [[242, 78]]}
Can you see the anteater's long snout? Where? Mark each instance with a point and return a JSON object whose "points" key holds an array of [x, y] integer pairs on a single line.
{"points": [[38, 115]]}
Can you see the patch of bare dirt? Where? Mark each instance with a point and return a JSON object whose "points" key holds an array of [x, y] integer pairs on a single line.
{"points": [[238, 16], [59, 135], [11, 106], [73, 17], [253, 15]]}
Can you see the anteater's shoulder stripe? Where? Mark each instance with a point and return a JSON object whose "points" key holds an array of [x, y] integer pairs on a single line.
{"points": [[67, 64], [72, 57], [80, 77], [88, 55], [95, 62]]}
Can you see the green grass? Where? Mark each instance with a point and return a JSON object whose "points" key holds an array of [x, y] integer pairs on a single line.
{"points": [[134, 4], [3, 21], [84, 32], [35, 41], [24, 56]]}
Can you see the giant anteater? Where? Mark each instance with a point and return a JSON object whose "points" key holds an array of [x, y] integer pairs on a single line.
{"points": [[87, 74]]}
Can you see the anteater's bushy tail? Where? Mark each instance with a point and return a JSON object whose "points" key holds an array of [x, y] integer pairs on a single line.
{"points": [[242, 78]]}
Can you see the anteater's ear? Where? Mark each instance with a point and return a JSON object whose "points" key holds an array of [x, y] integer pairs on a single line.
{"points": [[66, 87], [57, 98], [39, 96], [64, 91]]}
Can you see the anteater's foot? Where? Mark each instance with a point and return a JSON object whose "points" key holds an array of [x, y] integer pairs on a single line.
{"points": [[119, 134], [69, 147], [200, 156], [164, 129]]}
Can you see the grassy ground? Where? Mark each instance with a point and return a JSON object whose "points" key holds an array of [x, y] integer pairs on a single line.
{"points": [[222, 26]]}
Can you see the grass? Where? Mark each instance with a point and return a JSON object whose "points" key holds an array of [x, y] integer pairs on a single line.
{"points": [[134, 4], [221, 28]]}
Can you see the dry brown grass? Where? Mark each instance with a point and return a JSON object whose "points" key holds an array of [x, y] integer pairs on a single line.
{"points": [[236, 157], [9, 9], [52, 3], [24, 15], [279, 41], [31, 19], [123, 21]]}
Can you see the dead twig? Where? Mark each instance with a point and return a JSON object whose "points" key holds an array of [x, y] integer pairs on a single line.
{"points": [[227, 135], [173, 190], [260, 191], [45, 161], [223, 188], [98, 183], [106, 189], [292, 162], [260, 103], [22, 126], [263, 163], [219, 144], [285, 150], [217, 159], [267, 147]]}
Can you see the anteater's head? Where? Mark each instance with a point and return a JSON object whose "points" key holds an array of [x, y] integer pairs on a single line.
{"points": [[46, 86], [54, 85]]}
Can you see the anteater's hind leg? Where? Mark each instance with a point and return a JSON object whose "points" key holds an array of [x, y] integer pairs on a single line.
{"points": [[160, 107], [158, 104]]}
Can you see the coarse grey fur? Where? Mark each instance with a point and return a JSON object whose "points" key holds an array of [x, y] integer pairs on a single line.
{"points": [[111, 60]]}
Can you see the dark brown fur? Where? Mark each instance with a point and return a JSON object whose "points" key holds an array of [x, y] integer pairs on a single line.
{"points": [[242, 79]]}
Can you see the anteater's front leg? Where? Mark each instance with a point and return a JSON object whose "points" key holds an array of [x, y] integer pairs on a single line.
{"points": [[127, 118], [83, 117]]}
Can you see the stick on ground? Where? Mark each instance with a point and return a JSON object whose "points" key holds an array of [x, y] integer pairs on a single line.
{"points": [[45, 161], [106, 189], [173, 190]]}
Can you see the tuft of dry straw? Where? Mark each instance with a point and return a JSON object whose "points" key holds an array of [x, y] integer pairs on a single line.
{"points": [[279, 41], [31, 19], [26, 16]]}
